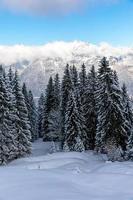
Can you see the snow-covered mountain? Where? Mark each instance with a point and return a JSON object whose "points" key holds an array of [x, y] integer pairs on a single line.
{"points": [[36, 64]]}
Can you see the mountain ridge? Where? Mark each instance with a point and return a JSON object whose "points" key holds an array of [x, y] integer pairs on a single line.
{"points": [[37, 63]]}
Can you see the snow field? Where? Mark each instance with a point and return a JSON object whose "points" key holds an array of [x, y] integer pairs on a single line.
{"points": [[65, 176]]}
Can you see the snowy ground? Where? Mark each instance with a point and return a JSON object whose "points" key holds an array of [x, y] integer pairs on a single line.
{"points": [[65, 176]]}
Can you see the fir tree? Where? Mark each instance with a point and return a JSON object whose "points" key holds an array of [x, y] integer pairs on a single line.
{"points": [[12, 114], [32, 116], [74, 76], [23, 124], [74, 125], [10, 76], [83, 81], [129, 121], [55, 125], [40, 117], [111, 121], [65, 91], [57, 92], [48, 107], [55, 114], [89, 108], [31, 108], [6, 137], [26, 97]]}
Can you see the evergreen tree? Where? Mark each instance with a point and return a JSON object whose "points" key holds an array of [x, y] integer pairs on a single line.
{"points": [[74, 125], [89, 108], [31, 108], [40, 118], [57, 92], [74, 76], [32, 116], [55, 125], [111, 132], [129, 121], [25, 93], [55, 114], [10, 76], [6, 137], [48, 107], [65, 91], [23, 124], [83, 81], [12, 114]]}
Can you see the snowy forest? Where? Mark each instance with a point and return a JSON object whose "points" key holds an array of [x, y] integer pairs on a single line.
{"points": [[81, 111]]}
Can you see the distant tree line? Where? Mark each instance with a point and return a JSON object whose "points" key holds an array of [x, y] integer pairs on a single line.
{"points": [[88, 111], [82, 111]]}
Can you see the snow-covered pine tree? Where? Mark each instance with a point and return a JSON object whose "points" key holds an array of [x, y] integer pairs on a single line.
{"points": [[5, 135], [57, 92], [74, 76], [48, 107], [32, 116], [55, 114], [111, 132], [83, 81], [40, 117], [10, 76], [74, 125], [26, 95], [12, 115], [55, 125], [23, 124], [89, 108], [66, 87], [26, 98], [30, 104], [129, 121]]}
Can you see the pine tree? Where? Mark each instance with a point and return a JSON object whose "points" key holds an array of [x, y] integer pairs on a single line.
{"points": [[111, 122], [89, 108], [57, 92], [25, 93], [129, 121], [55, 125], [12, 115], [74, 76], [32, 116], [83, 81], [6, 136], [66, 86], [40, 117], [55, 114], [48, 107], [10, 76], [31, 108], [74, 125], [23, 124]]}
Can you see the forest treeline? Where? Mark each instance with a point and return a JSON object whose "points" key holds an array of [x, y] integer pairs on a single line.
{"points": [[82, 111], [88, 111]]}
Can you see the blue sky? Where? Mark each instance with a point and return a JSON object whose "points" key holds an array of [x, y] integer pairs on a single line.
{"points": [[112, 23]]}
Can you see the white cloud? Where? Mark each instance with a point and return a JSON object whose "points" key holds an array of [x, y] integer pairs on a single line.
{"points": [[65, 50], [46, 7]]}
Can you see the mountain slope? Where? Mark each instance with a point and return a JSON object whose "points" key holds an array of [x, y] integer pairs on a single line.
{"points": [[36, 64]]}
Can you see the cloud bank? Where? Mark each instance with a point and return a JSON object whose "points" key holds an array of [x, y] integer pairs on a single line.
{"points": [[50, 7], [17, 53]]}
